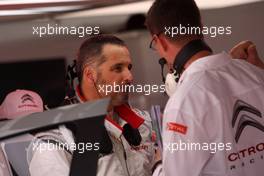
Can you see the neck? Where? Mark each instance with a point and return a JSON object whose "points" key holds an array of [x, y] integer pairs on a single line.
{"points": [[110, 108], [88, 93], [92, 94]]}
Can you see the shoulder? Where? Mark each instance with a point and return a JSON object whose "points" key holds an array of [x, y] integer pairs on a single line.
{"points": [[60, 137]]}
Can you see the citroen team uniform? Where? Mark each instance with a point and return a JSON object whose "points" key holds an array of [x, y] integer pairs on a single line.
{"points": [[124, 160], [218, 101]]}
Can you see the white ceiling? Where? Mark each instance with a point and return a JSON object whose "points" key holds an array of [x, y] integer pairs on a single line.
{"points": [[110, 18], [142, 7], [31, 7], [222, 3], [17, 10]]}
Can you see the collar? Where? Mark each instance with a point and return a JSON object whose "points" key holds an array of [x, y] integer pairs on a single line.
{"points": [[123, 111], [187, 52], [126, 114]]}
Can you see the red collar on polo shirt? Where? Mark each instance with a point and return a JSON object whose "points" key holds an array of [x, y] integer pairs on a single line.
{"points": [[127, 114], [123, 111]]}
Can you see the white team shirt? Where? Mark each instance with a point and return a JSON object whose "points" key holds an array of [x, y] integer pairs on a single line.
{"points": [[213, 124]]}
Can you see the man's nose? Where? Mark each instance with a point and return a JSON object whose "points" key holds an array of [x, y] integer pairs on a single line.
{"points": [[128, 77]]}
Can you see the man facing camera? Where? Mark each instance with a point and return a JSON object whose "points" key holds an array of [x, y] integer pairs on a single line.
{"points": [[127, 149]]}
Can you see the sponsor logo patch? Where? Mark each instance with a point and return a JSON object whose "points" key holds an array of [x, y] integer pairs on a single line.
{"points": [[177, 127]]}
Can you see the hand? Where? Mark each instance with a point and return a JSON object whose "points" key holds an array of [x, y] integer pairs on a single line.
{"points": [[246, 50], [158, 155]]}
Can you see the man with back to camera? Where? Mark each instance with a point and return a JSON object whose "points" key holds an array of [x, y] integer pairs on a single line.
{"points": [[216, 104], [103, 60]]}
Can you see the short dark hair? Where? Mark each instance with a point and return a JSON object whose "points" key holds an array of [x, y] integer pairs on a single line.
{"points": [[91, 49], [172, 13]]}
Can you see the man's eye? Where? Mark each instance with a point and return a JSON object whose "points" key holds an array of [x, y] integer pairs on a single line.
{"points": [[118, 69], [130, 67]]}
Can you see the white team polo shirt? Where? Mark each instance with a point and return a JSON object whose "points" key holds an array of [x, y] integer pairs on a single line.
{"points": [[213, 124]]}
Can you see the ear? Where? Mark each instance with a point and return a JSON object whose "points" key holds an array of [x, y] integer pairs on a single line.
{"points": [[89, 74], [163, 43]]}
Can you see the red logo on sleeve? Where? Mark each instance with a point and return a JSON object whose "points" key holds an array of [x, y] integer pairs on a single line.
{"points": [[177, 127]]}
